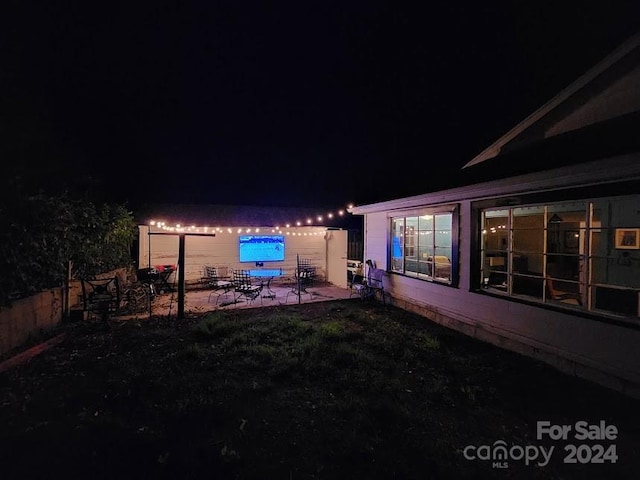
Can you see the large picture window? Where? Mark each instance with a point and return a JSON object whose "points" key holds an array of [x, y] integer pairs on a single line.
{"points": [[570, 254], [422, 246]]}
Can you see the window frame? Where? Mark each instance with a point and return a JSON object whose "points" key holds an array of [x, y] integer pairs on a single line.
{"points": [[587, 283], [454, 211]]}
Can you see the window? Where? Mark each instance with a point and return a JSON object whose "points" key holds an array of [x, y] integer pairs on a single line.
{"points": [[423, 246], [567, 253]]}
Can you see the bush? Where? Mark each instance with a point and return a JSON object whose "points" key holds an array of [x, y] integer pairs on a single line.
{"points": [[41, 234]]}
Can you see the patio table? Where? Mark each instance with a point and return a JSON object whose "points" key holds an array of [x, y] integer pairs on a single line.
{"points": [[162, 280], [265, 276]]}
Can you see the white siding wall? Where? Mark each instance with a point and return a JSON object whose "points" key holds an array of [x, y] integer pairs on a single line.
{"points": [[376, 228], [600, 351], [222, 249]]}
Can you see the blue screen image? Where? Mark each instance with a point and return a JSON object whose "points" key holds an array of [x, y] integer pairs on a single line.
{"points": [[397, 249], [261, 248]]}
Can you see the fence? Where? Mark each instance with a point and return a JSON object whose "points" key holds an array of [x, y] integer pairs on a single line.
{"points": [[33, 316]]}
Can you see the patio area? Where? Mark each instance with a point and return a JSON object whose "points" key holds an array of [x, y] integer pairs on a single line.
{"points": [[202, 300]]}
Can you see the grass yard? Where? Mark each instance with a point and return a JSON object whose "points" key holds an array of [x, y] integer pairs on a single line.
{"points": [[325, 390]]}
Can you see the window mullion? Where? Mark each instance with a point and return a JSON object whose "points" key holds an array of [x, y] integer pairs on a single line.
{"points": [[510, 252]]}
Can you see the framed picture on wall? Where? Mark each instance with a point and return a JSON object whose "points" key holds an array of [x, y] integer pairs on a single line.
{"points": [[628, 238]]}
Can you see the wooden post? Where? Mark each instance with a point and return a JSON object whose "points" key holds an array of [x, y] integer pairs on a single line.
{"points": [[298, 278], [181, 244]]}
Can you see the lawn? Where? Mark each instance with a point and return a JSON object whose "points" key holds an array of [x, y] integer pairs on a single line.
{"points": [[343, 389]]}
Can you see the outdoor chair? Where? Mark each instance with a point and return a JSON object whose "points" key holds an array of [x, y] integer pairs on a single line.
{"points": [[303, 279], [243, 287], [359, 282], [372, 286], [217, 285], [101, 297], [305, 276]]}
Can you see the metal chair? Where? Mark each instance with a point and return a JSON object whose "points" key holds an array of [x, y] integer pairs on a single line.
{"points": [[243, 287], [101, 297], [375, 285], [218, 286], [372, 286], [305, 276]]}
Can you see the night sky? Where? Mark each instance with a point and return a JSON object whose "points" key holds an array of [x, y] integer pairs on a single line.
{"points": [[278, 103]]}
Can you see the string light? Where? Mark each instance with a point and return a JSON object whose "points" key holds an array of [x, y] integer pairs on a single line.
{"points": [[309, 222]]}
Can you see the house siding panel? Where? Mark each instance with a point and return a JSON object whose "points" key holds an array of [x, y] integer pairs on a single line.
{"points": [[601, 352], [579, 339], [597, 350], [376, 230]]}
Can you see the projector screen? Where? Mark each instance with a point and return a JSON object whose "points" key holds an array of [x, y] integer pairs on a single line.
{"points": [[261, 248]]}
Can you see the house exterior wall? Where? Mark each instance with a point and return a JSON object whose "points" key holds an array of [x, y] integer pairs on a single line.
{"points": [[601, 351], [222, 249], [376, 229]]}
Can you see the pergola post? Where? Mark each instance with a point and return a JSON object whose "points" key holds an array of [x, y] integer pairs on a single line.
{"points": [[181, 249]]}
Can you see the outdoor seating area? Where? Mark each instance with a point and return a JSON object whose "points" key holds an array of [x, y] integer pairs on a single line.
{"points": [[222, 287], [197, 300]]}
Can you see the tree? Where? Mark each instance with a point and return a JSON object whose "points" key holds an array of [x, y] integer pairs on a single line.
{"points": [[42, 233]]}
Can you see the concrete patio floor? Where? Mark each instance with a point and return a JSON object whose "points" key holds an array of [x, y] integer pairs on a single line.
{"points": [[205, 300]]}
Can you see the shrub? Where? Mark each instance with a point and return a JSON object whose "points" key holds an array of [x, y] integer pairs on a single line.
{"points": [[41, 234]]}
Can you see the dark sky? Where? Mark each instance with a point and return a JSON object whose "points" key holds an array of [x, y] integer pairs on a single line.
{"points": [[306, 103]]}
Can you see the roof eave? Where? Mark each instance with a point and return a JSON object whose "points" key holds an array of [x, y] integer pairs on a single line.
{"points": [[610, 170], [494, 149]]}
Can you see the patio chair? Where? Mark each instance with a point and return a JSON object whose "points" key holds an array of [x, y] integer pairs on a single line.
{"points": [[217, 285], [375, 285], [304, 276], [243, 287], [372, 286], [359, 281], [101, 297]]}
